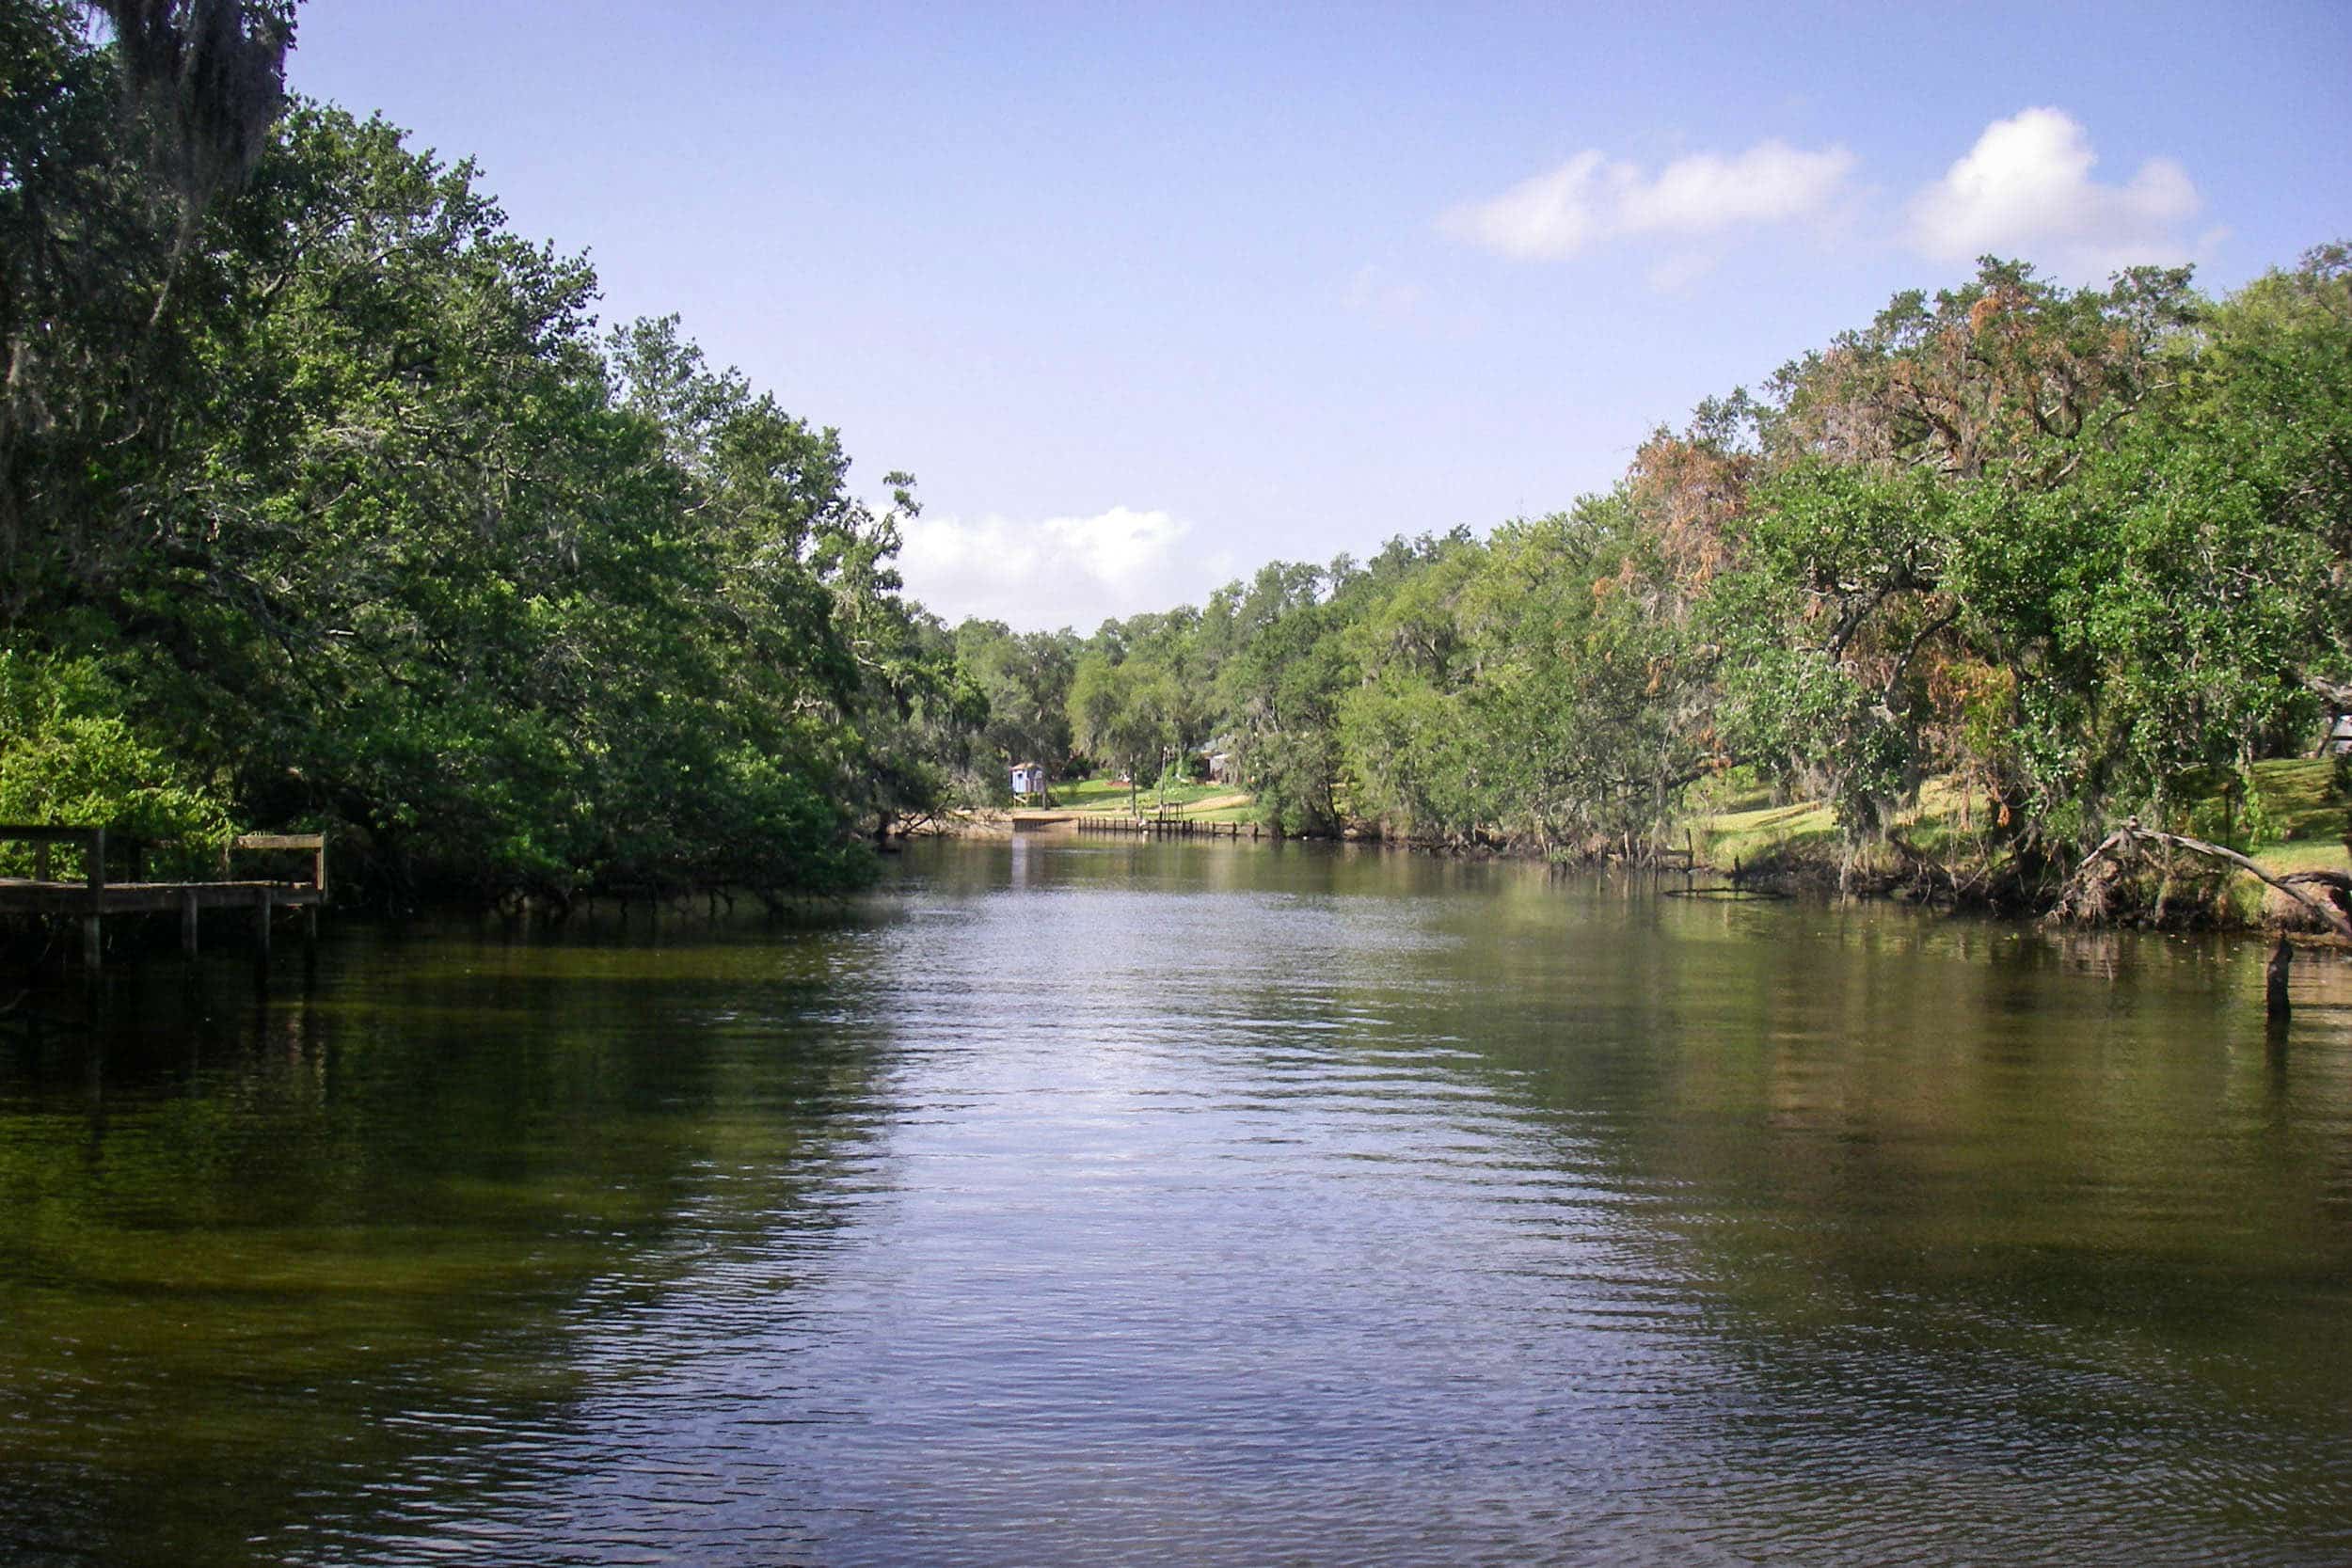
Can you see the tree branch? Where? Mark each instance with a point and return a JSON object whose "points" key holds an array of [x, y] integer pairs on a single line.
{"points": [[2131, 833]]}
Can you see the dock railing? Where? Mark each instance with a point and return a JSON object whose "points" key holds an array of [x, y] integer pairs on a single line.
{"points": [[92, 895]]}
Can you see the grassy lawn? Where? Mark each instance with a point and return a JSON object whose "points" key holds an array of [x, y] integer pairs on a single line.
{"points": [[1760, 831], [1738, 820], [2306, 816], [1109, 798]]}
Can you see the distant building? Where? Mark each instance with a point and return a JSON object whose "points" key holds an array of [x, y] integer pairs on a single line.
{"points": [[1028, 778], [2339, 742]]}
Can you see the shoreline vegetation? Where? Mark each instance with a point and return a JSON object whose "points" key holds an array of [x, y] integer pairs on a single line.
{"points": [[327, 504], [1932, 855]]}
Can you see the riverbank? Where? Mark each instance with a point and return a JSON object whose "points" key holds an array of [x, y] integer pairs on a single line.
{"points": [[1948, 849], [1101, 800]]}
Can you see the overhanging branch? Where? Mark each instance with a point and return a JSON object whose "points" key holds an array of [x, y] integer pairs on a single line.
{"points": [[2131, 835]]}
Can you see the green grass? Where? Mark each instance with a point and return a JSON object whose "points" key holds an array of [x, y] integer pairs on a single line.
{"points": [[1738, 820], [1110, 798], [2306, 816], [1735, 817], [1760, 831]]}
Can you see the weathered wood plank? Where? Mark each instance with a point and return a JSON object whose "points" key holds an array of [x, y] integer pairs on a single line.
{"points": [[22, 897], [26, 833]]}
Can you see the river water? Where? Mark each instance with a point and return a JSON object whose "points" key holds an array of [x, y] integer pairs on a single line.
{"points": [[1103, 1203]]}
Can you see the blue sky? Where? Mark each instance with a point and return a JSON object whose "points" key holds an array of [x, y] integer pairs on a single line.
{"points": [[1146, 297]]}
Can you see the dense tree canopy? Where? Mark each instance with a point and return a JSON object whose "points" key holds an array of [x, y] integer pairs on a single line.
{"points": [[326, 501], [322, 499], [2082, 551]]}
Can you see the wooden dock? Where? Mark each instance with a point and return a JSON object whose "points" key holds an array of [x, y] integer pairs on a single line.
{"points": [[1162, 827], [95, 894]]}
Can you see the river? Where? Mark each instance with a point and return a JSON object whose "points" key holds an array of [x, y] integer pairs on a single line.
{"points": [[1115, 1202]]}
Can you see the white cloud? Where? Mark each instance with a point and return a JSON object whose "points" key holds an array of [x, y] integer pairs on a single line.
{"points": [[1056, 572], [2025, 190], [1592, 199]]}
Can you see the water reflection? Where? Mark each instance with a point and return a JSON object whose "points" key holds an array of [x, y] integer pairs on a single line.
{"points": [[1107, 1201]]}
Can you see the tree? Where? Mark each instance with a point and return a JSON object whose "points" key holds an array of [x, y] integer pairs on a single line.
{"points": [[1025, 678], [326, 471], [1119, 713]]}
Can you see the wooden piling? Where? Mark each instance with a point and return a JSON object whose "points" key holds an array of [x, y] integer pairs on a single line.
{"points": [[187, 921], [2282, 962], [93, 924]]}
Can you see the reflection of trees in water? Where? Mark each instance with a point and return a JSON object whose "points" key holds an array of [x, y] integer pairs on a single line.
{"points": [[1995, 1195], [306, 1270], [1968, 1200]]}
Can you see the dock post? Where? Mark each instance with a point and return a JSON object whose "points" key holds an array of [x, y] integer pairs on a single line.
{"points": [[2282, 961], [261, 911], [187, 921], [93, 924], [309, 943]]}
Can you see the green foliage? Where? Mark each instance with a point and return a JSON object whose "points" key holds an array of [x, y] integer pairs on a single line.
{"points": [[1024, 681], [69, 756], [2082, 550], [324, 500], [332, 472]]}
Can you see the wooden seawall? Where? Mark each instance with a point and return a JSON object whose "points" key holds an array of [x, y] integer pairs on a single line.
{"points": [[94, 895]]}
